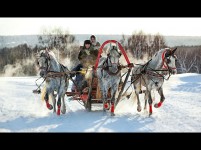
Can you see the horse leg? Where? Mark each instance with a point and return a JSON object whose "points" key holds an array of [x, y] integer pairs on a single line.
{"points": [[160, 91], [145, 100], [137, 90], [105, 101], [59, 105], [150, 103], [53, 97], [113, 93], [112, 109], [63, 108], [48, 105], [103, 94]]}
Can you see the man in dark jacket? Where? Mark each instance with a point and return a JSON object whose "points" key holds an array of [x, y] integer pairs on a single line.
{"points": [[87, 57], [88, 54]]}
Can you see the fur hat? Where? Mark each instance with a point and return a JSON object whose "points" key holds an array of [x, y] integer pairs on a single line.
{"points": [[87, 42], [92, 36]]}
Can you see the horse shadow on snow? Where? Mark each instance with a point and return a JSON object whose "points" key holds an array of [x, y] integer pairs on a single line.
{"points": [[80, 121]]}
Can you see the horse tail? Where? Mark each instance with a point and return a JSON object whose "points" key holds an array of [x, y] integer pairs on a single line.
{"points": [[133, 97], [43, 92]]}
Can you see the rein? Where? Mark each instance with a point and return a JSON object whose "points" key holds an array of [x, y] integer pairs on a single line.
{"points": [[54, 74], [38, 90]]}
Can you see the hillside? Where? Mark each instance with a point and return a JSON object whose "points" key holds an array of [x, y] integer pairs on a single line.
{"points": [[32, 40]]}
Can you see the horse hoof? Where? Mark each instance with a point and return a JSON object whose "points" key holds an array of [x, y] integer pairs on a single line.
{"points": [[49, 106], [139, 109], [158, 105], [63, 111], [112, 114], [150, 114], [128, 96]]}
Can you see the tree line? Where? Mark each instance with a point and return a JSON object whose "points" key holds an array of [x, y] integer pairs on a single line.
{"points": [[18, 57], [142, 47]]}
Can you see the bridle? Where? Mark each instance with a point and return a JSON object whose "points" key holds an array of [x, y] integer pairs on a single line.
{"points": [[165, 66], [47, 59], [108, 61], [166, 61]]}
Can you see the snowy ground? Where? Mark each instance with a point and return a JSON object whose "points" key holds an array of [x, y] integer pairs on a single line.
{"points": [[23, 111]]}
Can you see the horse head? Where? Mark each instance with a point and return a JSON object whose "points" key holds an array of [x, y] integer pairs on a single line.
{"points": [[113, 59], [43, 58], [169, 60]]}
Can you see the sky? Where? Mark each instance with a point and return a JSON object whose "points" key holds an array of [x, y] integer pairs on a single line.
{"points": [[111, 26]]}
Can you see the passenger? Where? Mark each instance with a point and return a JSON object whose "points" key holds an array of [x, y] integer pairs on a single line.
{"points": [[95, 44]]}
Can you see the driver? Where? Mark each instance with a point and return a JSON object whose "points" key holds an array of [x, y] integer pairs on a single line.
{"points": [[87, 57]]}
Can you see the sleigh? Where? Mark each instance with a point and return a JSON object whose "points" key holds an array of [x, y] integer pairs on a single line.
{"points": [[91, 94]]}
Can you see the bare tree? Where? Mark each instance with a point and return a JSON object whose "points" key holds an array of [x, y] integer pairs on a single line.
{"points": [[189, 59], [140, 44], [57, 39]]}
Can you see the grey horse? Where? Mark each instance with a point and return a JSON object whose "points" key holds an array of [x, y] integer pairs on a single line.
{"points": [[152, 75], [55, 79], [109, 75]]}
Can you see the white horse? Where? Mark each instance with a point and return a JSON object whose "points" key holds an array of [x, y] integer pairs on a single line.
{"points": [[55, 79], [109, 75], [152, 74]]}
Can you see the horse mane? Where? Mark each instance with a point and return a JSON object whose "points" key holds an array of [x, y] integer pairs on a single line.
{"points": [[45, 52], [53, 55], [160, 52], [156, 60]]}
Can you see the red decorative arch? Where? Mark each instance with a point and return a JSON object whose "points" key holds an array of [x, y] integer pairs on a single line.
{"points": [[101, 49]]}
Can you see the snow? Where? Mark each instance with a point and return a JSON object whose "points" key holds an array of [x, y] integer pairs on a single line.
{"points": [[23, 111]]}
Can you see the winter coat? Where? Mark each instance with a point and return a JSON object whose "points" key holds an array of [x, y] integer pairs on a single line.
{"points": [[88, 57], [96, 45]]}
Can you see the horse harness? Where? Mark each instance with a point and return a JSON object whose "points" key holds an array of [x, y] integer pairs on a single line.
{"points": [[50, 74], [145, 70], [106, 67]]}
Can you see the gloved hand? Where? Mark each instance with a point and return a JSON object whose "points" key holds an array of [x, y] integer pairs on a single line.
{"points": [[131, 65], [79, 67], [72, 74]]}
